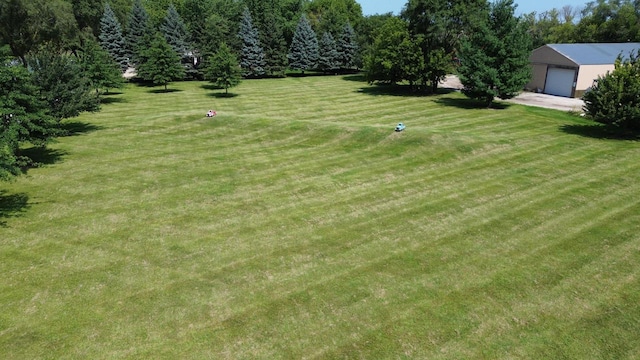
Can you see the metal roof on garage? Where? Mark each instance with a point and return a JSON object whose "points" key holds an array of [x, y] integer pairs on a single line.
{"points": [[596, 53]]}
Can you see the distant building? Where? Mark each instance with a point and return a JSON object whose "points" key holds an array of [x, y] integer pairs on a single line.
{"points": [[571, 69]]}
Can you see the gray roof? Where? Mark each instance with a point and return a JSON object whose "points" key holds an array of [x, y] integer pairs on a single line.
{"points": [[595, 54]]}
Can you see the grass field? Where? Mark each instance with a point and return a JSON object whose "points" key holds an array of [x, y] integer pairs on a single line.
{"points": [[297, 225]]}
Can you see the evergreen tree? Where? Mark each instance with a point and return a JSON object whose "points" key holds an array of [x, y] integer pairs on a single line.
{"points": [[139, 31], [175, 31], [252, 55], [268, 19], [23, 118], [495, 55], [100, 69], [62, 84], [347, 47], [327, 54], [613, 100], [275, 46], [161, 63], [111, 37], [303, 53], [177, 35], [223, 69]]}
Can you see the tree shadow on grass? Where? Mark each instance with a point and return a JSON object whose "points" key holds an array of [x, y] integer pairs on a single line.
{"points": [[222, 95], [12, 205], [355, 77], [400, 90], [599, 131], [469, 104], [75, 128], [163, 91], [41, 156], [211, 87], [112, 100]]}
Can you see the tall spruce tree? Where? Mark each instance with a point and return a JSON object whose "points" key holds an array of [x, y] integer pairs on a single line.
{"points": [[275, 46], [139, 32], [111, 37], [347, 47], [161, 64], [268, 19], [327, 54], [303, 53], [175, 31], [251, 55], [494, 57]]}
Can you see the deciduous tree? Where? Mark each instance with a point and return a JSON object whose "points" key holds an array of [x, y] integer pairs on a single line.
{"points": [[439, 25], [613, 100], [61, 84]]}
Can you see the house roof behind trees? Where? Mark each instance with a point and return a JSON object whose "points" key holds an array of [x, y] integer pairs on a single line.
{"points": [[596, 53]]}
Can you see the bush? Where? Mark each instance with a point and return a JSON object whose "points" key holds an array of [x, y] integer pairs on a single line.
{"points": [[614, 100]]}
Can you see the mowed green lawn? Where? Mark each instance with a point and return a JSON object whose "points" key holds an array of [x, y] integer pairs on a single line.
{"points": [[297, 225]]}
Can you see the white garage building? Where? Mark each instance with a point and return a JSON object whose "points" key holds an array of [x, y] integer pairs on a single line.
{"points": [[570, 69]]}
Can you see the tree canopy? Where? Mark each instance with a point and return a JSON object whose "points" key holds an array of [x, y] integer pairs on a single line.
{"points": [[494, 56]]}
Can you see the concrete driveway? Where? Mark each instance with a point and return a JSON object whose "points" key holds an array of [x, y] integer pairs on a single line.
{"points": [[528, 98], [549, 101]]}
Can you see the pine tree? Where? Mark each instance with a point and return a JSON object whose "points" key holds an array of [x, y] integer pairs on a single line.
{"points": [[175, 31], [100, 69], [252, 55], [161, 64], [139, 32], [111, 37], [275, 47], [24, 118], [494, 57], [303, 53], [347, 47], [328, 58], [223, 69]]}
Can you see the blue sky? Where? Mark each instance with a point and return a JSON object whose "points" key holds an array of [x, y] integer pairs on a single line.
{"points": [[370, 7]]}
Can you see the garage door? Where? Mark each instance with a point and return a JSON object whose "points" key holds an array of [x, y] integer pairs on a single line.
{"points": [[559, 82]]}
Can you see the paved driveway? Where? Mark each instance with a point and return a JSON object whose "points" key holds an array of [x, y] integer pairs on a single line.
{"points": [[549, 101], [529, 98]]}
